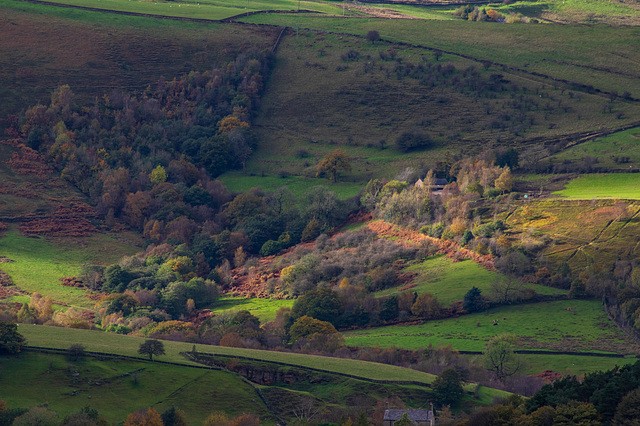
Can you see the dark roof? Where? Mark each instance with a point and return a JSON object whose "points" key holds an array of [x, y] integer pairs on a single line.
{"points": [[440, 181], [415, 415]]}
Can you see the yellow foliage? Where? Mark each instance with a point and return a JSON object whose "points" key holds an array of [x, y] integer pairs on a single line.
{"points": [[458, 226]]}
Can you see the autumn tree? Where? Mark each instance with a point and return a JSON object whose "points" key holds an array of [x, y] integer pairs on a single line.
{"points": [[151, 347], [505, 182], [332, 163], [427, 306], [307, 326], [148, 417], [499, 356]]}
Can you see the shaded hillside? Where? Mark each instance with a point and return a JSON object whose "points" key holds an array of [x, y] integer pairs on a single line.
{"points": [[96, 53]]}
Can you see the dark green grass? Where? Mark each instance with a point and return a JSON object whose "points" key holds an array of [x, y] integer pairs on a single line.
{"points": [[450, 281], [546, 325], [298, 185], [560, 51], [606, 150], [108, 386]]}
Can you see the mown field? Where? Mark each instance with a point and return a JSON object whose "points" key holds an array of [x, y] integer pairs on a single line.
{"points": [[450, 281], [119, 387], [621, 186], [547, 325]]}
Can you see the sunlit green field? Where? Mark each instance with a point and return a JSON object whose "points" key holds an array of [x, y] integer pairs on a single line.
{"points": [[38, 264], [449, 281], [202, 9], [624, 186], [265, 309], [547, 325], [62, 338]]}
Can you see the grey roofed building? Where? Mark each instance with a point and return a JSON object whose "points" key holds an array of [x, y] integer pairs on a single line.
{"points": [[418, 417]]}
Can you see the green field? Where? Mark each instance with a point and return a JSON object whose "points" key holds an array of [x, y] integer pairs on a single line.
{"points": [[625, 186], [606, 150], [239, 182], [547, 325], [203, 9], [265, 309], [599, 56], [110, 387], [38, 264], [449, 281], [62, 338]]}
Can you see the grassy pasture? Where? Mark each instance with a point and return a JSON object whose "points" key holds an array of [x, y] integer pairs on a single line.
{"points": [[610, 186], [38, 264], [547, 325], [108, 386], [316, 102], [62, 338], [236, 181], [265, 309], [601, 56], [606, 150], [571, 364], [450, 281], [202, 9]]}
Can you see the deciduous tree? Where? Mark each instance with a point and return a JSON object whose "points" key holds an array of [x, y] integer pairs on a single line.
{"points": [[332, 163], [447, 387], [10, 340], [498, 355], [151, 347]]}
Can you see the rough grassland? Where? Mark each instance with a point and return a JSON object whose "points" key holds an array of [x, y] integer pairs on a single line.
{"points": [[616, 186], [109, 387], [546, 325], [600, 56], [582, 233], [317, 102], [606, 150], [38, 264], [62, 338], [450, 281]]}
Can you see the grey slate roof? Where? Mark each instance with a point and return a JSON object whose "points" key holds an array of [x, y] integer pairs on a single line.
{"points": [[415, 415]]}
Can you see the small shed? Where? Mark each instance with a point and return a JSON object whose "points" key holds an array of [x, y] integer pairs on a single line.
{"points": [[439, 184], [418, 417]]}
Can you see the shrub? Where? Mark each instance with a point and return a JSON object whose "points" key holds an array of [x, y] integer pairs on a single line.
{"points": [[409, 141]]}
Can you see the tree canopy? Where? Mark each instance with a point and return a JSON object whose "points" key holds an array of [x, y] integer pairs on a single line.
{"points": [[151, 347], [10, 340]]}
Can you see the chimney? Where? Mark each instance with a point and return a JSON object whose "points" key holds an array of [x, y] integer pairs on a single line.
{"points": [[386, 405]]}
